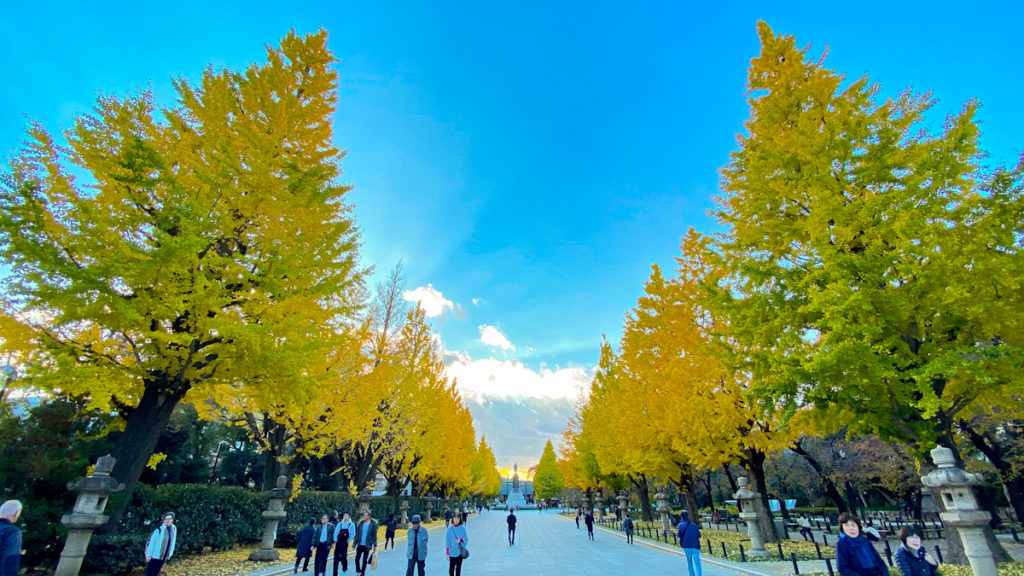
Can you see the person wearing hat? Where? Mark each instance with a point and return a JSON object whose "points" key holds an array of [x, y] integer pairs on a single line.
{"points": [[416, 547]]}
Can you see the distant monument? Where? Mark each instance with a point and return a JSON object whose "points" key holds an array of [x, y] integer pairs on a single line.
{"points": [[515, 499]]}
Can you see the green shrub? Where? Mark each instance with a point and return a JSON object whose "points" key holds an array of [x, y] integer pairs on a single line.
{"points": [[114, 554]]}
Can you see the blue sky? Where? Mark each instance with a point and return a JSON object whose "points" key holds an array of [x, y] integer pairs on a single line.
{"points": [[527, 161]]}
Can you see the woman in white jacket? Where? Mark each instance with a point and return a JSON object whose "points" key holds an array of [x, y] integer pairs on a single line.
{"points": [[161, 545]]}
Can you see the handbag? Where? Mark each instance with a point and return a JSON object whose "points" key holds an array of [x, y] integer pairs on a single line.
{"points": [[463, 551], [373, 561]]}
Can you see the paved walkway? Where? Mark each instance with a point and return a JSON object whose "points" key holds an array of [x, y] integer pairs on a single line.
{"points": [[546, 544]]}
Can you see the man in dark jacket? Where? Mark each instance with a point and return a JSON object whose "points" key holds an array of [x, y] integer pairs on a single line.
{"points": [[366, 542], [304, 545], [10, 538], [588, 519], [511, 527], [323, 539]]}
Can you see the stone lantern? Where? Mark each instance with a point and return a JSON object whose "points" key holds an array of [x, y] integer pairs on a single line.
{"points": [[278, 497], [664, 511], [403, 511], [750, 502], [623, 499], [87, 515], [955, 488], [428, 508], [600, 505], [364, 502]]}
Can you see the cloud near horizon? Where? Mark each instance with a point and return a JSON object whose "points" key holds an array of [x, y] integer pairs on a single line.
{"points": [[431, 299], [517, 408]]}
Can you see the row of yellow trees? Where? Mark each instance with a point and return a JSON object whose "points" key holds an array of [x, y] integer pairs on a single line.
{"points": [[205, 252], [867, 274]]}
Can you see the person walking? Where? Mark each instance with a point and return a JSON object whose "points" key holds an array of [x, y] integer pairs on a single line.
{"points": [[911, 558], [578, 514], [161, 545], [627, 527], [323, 538], [10, 538], [455, 539], [366, 542], [416, 547], [304, 546], [447, 516], [389, 531], [689, 540], [855, 555], [344, 534], [588, 519], [805, 526], [511, 520]]}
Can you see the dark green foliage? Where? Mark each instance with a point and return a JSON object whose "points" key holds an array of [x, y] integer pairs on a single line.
{"points": [[207, 516], [42, 448], [114, 554]]}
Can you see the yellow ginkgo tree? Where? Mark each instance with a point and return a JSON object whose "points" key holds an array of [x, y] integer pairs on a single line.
{"points": [[165, 251]]}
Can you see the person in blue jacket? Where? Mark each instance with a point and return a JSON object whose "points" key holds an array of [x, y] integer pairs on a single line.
{"points": [[304, 546], [855, 555], [911, 558], [454, 539], [689, 540], [10, 538], [416, 547]]}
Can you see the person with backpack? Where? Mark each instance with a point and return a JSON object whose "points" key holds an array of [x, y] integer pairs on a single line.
{"points": [[627, 527], [689, 539]]}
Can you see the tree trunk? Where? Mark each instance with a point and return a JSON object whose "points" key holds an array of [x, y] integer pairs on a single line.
{"points": [[686, 486], [275, 435], [755, 464], [134, 447], [827, 484], [1013, 483], [705, 480], [640, 481]]}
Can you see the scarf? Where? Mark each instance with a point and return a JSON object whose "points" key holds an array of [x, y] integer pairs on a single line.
{"points": [[862, 549]]}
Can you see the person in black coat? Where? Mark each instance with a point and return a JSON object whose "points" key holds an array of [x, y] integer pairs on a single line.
{"points": [[511, 520], [911, 558], [304, 546], [589, 521], [855, 555]]}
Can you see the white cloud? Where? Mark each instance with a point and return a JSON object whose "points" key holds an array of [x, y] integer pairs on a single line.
{"points": [[491, 378], [516, 407], [432, 300], [493, 337], [476, 301]]}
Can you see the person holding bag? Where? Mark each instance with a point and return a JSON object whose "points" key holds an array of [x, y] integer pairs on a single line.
{"points": [[456, 540]]}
